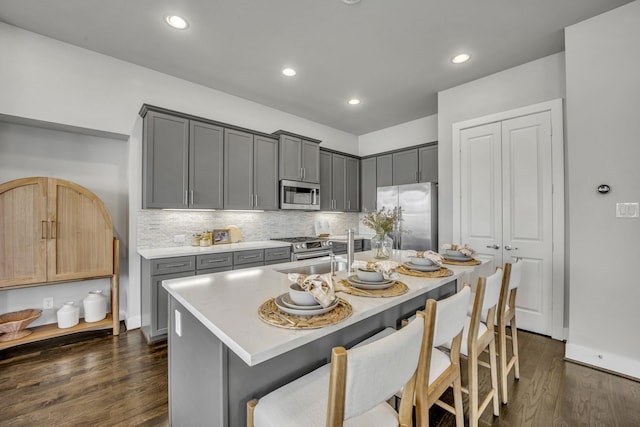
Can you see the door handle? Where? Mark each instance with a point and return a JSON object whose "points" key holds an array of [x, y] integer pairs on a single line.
{"points": [[510, 248], [493, 246]]}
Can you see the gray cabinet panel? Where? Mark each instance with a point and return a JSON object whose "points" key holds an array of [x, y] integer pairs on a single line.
{"points": [[206, 165], [277, 254], [326, 200], [428, 163], [339, 177], [290, 158], [368, 184], [265, 173], [310, 162], [209, 261], [238, 171], [352, 184], [405, 167], [165, 161], [243, 259], [173, 265], [384, 173]]}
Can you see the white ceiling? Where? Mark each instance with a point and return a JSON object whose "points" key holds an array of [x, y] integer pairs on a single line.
{"points": [[392, 54]]}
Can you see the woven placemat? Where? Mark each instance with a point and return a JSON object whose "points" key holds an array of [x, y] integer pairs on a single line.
{"points": [[443, 272], [398, 288], [271, 314], [470, 262]]}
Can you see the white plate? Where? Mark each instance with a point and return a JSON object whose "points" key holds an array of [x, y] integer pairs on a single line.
{"points": [[458, 258], [286, 300], [417, 267], [357, 279], [357, 283], [305, 312]]}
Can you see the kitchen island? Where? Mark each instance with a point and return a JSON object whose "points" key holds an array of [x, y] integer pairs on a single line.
{"points": [[221, 354]]}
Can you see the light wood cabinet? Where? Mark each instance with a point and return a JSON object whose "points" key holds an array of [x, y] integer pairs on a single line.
{"points": [[53, 231]]}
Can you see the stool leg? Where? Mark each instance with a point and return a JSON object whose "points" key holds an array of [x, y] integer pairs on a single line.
{"points": [[457, 402], [473, 388], [502, 350], [494, 377], [514, 343]]}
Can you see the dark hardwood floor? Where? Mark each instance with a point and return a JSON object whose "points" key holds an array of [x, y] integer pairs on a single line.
{"points": [[96, 379]]}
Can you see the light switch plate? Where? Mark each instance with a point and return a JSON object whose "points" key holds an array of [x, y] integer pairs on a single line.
{"points": [[179, 238], [627, 210]]}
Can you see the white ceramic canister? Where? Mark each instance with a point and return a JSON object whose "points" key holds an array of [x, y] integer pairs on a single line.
{"points": [[68, 315], [95, 306]]}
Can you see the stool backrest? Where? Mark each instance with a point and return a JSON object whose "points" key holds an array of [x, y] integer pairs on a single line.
{"points": [[450, 316]]}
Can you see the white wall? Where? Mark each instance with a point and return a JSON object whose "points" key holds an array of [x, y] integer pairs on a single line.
{"points": [[415, 132], [99, 164], [603, 103], [531, 83], [47, 81]]}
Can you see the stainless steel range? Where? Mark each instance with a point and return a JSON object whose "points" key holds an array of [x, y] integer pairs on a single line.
{"points": [[307, 247]]}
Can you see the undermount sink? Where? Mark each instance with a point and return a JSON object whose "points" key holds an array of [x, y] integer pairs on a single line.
{"points": [[319, 268]]}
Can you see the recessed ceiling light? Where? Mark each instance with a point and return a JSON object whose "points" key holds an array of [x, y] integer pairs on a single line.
{"points": [[353, 101], [459, 59], [289, 72], [176, 22]]}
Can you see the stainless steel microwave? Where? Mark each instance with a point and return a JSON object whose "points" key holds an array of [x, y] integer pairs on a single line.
{"points": [[299, 195]]}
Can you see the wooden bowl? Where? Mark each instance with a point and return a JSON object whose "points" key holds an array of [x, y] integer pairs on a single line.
{"points": [[13, 325]]}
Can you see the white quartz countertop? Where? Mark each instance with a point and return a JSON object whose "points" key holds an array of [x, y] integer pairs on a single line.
{"points": [[155, 253], [227, 304]]}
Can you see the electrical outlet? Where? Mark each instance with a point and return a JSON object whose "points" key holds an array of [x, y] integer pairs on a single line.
{"points": [[627, 210], [47, 303], [179, 238], [178, 320]]}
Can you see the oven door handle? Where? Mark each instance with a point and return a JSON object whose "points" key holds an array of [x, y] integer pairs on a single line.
{"points": [[309, 255]]}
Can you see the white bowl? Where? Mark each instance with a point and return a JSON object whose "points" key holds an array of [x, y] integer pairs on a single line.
{"points": [[451, 252], [370, 275], [299, 296], [420, 261]]}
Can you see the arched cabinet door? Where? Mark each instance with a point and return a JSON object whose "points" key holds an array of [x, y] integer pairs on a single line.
{"points": [[52, 230]]}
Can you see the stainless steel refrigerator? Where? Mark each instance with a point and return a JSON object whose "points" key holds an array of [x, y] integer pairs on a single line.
{"points": [[418, 229]]}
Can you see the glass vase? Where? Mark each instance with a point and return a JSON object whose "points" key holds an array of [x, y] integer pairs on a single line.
{"points": [[381, 246]]}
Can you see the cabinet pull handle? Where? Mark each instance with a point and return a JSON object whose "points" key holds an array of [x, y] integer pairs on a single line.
{"points": [[250, 256], [53, 230], [191, 197], [174, 265], [43, 234], [212, 261], [185, 200], [256, 204]]}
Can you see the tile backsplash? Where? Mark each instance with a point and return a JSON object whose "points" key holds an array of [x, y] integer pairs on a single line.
{"points": [[157, 228]]}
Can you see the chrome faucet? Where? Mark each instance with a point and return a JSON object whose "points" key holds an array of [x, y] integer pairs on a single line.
{"points": [[333, 264], [350, 250]]}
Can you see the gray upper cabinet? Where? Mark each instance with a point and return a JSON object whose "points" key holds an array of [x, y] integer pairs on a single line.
{"points": [[368, 184], [206, 164], [182, 163], [405, 167], [384, 173], [299, 159], [352, 185], [339, 182], [250, 180], [428, 158]]}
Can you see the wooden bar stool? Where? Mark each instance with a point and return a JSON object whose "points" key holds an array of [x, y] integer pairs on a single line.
{"points": [[477, 337], [356, 385], [507, 316]]}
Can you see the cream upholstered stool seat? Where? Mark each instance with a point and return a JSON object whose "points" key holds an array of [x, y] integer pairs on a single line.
{"points": [[507, 316], [353, 390], [477, 337]]}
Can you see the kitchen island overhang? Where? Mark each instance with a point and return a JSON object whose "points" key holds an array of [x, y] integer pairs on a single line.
{"points": [[222, 354]]}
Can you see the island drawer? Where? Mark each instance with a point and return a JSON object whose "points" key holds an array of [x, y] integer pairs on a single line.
{"points": [[255, 256], [217, 260], [173, 265], [273, 254]]}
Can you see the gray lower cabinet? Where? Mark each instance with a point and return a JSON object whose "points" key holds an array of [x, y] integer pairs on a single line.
{"points": [[277, 255], [246, 259], [182, 163], [250, 171], [368, 184], [154, 297], [340, 248]]}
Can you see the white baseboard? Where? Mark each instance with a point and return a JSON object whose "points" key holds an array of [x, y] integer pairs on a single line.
{"points": [[607, 361], [133, 322]]}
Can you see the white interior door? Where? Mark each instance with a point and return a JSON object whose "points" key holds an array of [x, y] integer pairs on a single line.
{"points": [[506, 205], [481, 184], [527, 215]]}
